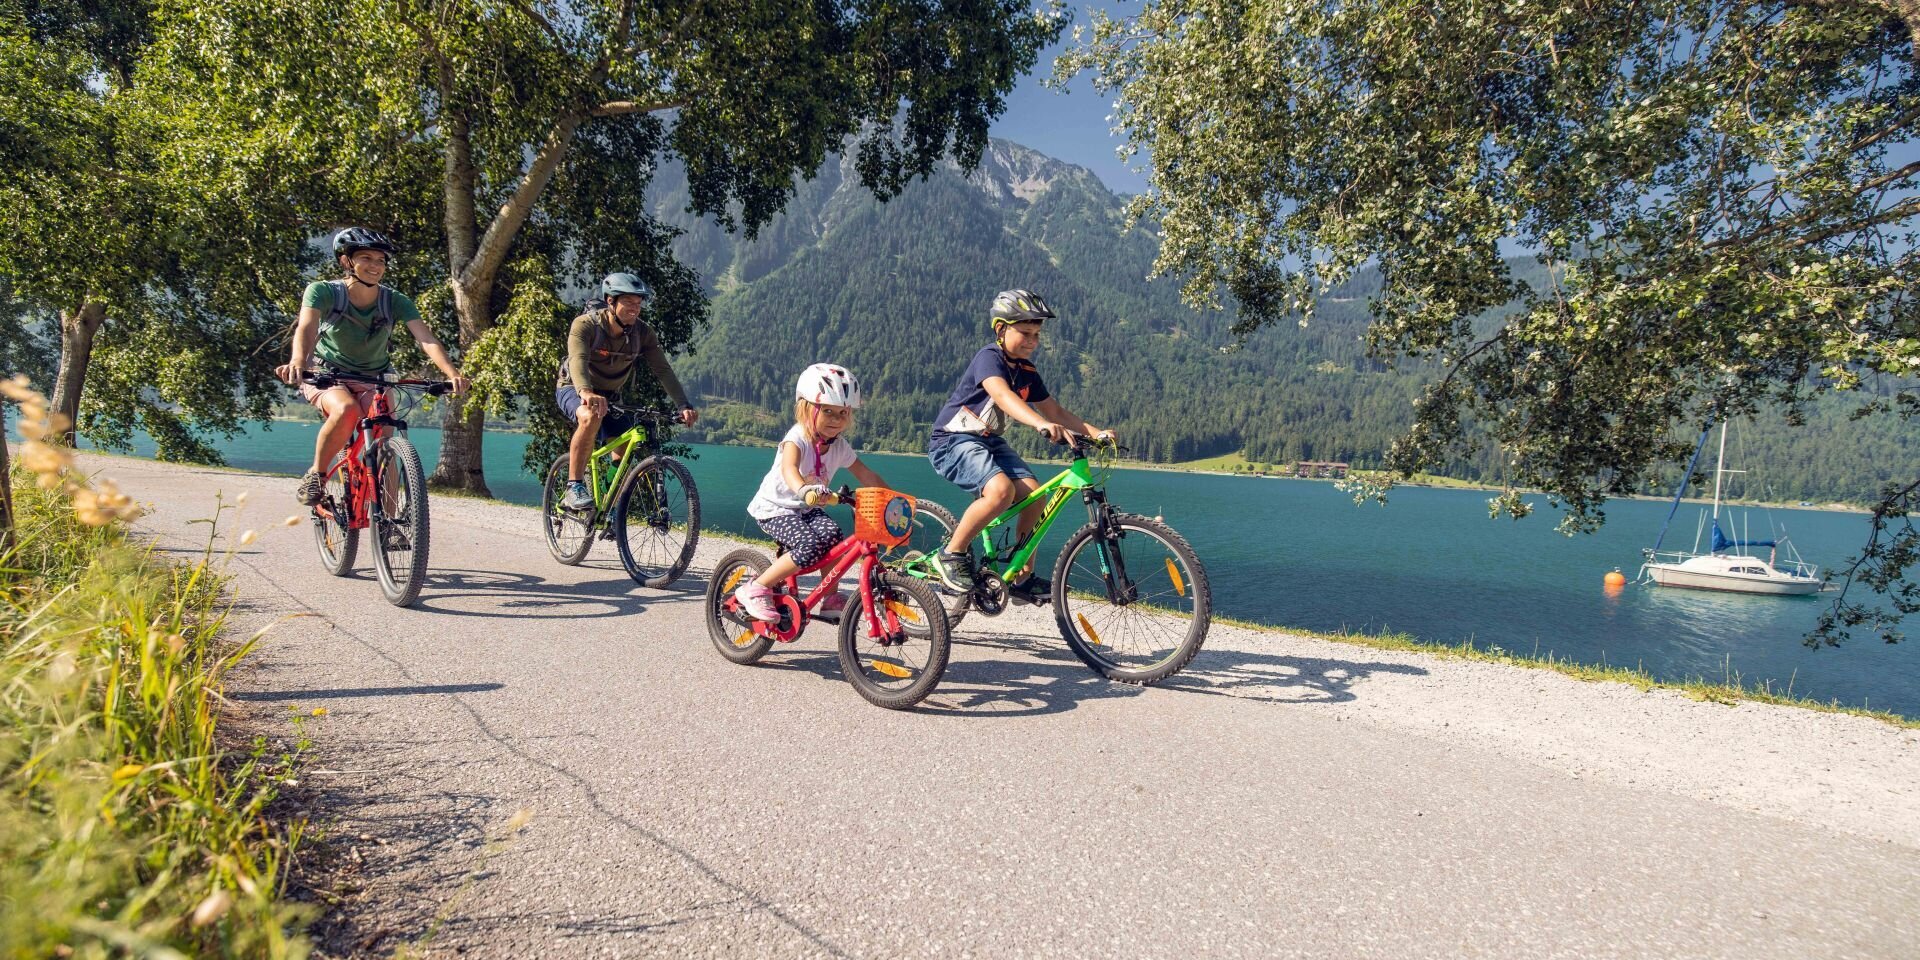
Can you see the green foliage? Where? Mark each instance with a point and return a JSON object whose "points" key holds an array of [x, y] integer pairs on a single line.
{"points": [[1718, 192], [899, 293], [132, 824]]}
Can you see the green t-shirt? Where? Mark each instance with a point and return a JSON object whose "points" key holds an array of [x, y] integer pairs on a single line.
{"points": [[353, 344]]}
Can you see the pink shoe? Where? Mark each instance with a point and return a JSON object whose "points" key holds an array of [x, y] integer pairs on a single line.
{"points": [[757, 601], [833, 606]]}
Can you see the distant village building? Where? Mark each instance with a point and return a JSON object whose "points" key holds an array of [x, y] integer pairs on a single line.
{"points": [[1321, 469]]}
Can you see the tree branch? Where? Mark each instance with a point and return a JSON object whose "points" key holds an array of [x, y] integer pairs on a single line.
{"points": [[513, 214], [534, 15], [620, 108]]}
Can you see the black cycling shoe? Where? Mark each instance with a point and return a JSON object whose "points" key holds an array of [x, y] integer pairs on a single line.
{"points": [[1035, 590], [955, 571]]}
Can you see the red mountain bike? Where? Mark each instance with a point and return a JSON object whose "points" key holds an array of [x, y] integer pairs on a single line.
{"points": [[893, 643], [394, 506]]}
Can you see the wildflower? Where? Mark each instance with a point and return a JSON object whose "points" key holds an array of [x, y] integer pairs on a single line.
{"points": [[319, 711], [19, 389], [241, 500], [212, 908], [248, 537], [45, 458], [127, 772], [61, 668], [292, 520], [175, 643]]}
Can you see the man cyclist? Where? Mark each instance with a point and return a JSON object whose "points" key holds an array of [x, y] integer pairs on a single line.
{"points": [[348, 325], [602, 345]]}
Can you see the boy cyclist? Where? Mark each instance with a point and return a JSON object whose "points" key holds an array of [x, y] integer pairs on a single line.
{"points": [[602, 345], [969, 447], [348, 324]]}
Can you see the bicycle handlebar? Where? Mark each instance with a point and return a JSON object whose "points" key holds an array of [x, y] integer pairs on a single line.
{"points": [[815, 498], [436, 388]]}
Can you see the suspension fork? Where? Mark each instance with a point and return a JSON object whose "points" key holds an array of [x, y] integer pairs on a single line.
{"points": [[1121, 589]]}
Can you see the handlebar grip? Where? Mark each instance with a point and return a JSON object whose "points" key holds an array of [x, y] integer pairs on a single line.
{"points": [[816, 498], [440, 389]]}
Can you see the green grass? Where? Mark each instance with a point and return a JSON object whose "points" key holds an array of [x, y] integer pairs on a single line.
{"points": [[1730, 689], [133, 823]]}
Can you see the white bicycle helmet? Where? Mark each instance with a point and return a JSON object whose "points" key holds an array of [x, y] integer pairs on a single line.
{"points": [[829, 384]]}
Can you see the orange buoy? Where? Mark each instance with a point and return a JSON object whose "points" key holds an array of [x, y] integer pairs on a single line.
{"points": [[1616, 579]]}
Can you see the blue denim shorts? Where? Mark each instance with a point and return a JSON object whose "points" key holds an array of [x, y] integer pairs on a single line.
{"points": [[971, 461], [611, 425]]}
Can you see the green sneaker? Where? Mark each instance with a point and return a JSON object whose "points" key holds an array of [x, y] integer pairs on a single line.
{"points": [[955, 571]]}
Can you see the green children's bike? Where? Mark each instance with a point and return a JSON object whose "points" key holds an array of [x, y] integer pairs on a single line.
{"points": [[1129, 595], [645, 503]]}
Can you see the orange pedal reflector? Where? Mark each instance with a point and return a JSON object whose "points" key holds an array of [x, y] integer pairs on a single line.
{"points": [[1179, 585], [1092, 634], [892, 669], [903, 611]]}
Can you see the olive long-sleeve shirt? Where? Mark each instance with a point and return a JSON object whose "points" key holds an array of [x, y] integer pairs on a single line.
{"points": [[599, 361]]}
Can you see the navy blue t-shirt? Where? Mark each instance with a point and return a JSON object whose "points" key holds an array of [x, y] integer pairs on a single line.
{"points": [[970, 409]]}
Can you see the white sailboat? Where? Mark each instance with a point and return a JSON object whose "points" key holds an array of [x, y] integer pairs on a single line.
{"points": [[1724, 566]]}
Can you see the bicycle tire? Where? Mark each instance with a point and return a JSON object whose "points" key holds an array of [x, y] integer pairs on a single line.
{"points": [[659, 559], [402, 570], [338, 542], [1071, 618], [861, 671], [556, 521], [939, 526], [735, 642]]}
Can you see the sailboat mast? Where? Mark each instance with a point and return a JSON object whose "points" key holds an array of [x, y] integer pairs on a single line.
{"points": [[1719, 462]]}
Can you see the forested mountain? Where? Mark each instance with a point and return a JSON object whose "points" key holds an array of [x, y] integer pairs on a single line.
{"points": [[899, 292]]}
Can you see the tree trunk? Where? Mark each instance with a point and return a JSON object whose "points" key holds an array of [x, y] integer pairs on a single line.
{"points": [[6, 488], [463, 429], [77, 329]]}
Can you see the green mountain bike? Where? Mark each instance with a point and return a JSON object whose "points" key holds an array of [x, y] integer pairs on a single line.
{"points": [[1129, 595], [645, 503]]}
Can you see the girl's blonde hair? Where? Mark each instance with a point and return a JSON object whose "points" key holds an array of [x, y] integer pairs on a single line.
{"points": [[803, 417]]}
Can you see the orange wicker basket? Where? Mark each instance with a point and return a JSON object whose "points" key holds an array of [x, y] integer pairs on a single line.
{"points": [[882, 516]]}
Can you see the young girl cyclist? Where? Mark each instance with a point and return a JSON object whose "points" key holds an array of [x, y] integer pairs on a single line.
{"points": [[807, 458]]}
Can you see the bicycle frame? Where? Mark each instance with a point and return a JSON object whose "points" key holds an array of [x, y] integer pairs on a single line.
{"points": [[622, 445], [838, 561], [361, 461]]}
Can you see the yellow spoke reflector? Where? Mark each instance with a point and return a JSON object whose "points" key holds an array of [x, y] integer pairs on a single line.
{"points": [[745, 637], [1092, 634], [903, 611], [734, 580], [892, 669], [1179, 585]]}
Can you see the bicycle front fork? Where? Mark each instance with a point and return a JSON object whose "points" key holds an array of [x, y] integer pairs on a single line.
{"points": [[1121, 590]]}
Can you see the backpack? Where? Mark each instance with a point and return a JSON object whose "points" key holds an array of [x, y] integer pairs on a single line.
{"points": [[382, 308]]}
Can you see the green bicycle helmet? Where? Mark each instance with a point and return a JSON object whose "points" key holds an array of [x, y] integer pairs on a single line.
{"points": [[1019, 306], [624, 284]]}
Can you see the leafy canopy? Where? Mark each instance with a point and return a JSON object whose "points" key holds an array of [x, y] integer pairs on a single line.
{"points": [[1722, 193]]}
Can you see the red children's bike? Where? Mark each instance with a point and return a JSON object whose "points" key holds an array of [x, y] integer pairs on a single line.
{"points": [[893, 642], [377, 484]]}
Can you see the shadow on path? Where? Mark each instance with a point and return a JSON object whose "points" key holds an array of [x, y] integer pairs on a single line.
{"points": [[346, 692], [525, 596]]}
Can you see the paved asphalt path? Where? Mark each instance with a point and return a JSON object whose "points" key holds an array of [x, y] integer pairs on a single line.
{"points": [[686, 807]]}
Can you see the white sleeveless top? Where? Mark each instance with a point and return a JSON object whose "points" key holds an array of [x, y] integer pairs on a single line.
{"points": [[816, 466]]}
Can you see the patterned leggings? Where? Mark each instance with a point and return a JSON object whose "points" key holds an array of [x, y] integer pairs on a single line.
{"points": [[807, 535]]}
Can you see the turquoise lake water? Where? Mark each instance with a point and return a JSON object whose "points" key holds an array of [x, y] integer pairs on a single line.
{"points": [[1430, 563]]}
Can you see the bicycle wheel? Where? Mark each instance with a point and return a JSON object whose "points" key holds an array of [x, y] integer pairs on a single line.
{"points": [[337, 542], [656, 521], [731, 636], [1157, 625], [933, 527], [569, 532], [402, 535], [896, 671]]}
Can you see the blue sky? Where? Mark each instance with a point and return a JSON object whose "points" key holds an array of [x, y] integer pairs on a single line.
{"points": [[1070, 125]]}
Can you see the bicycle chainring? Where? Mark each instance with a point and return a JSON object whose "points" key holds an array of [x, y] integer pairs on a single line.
{"points": [[989, 593]]}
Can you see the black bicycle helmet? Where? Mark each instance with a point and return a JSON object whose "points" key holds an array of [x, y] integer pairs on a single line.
{"points": [[1018, 306], [619, 284], [355, 239]]}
